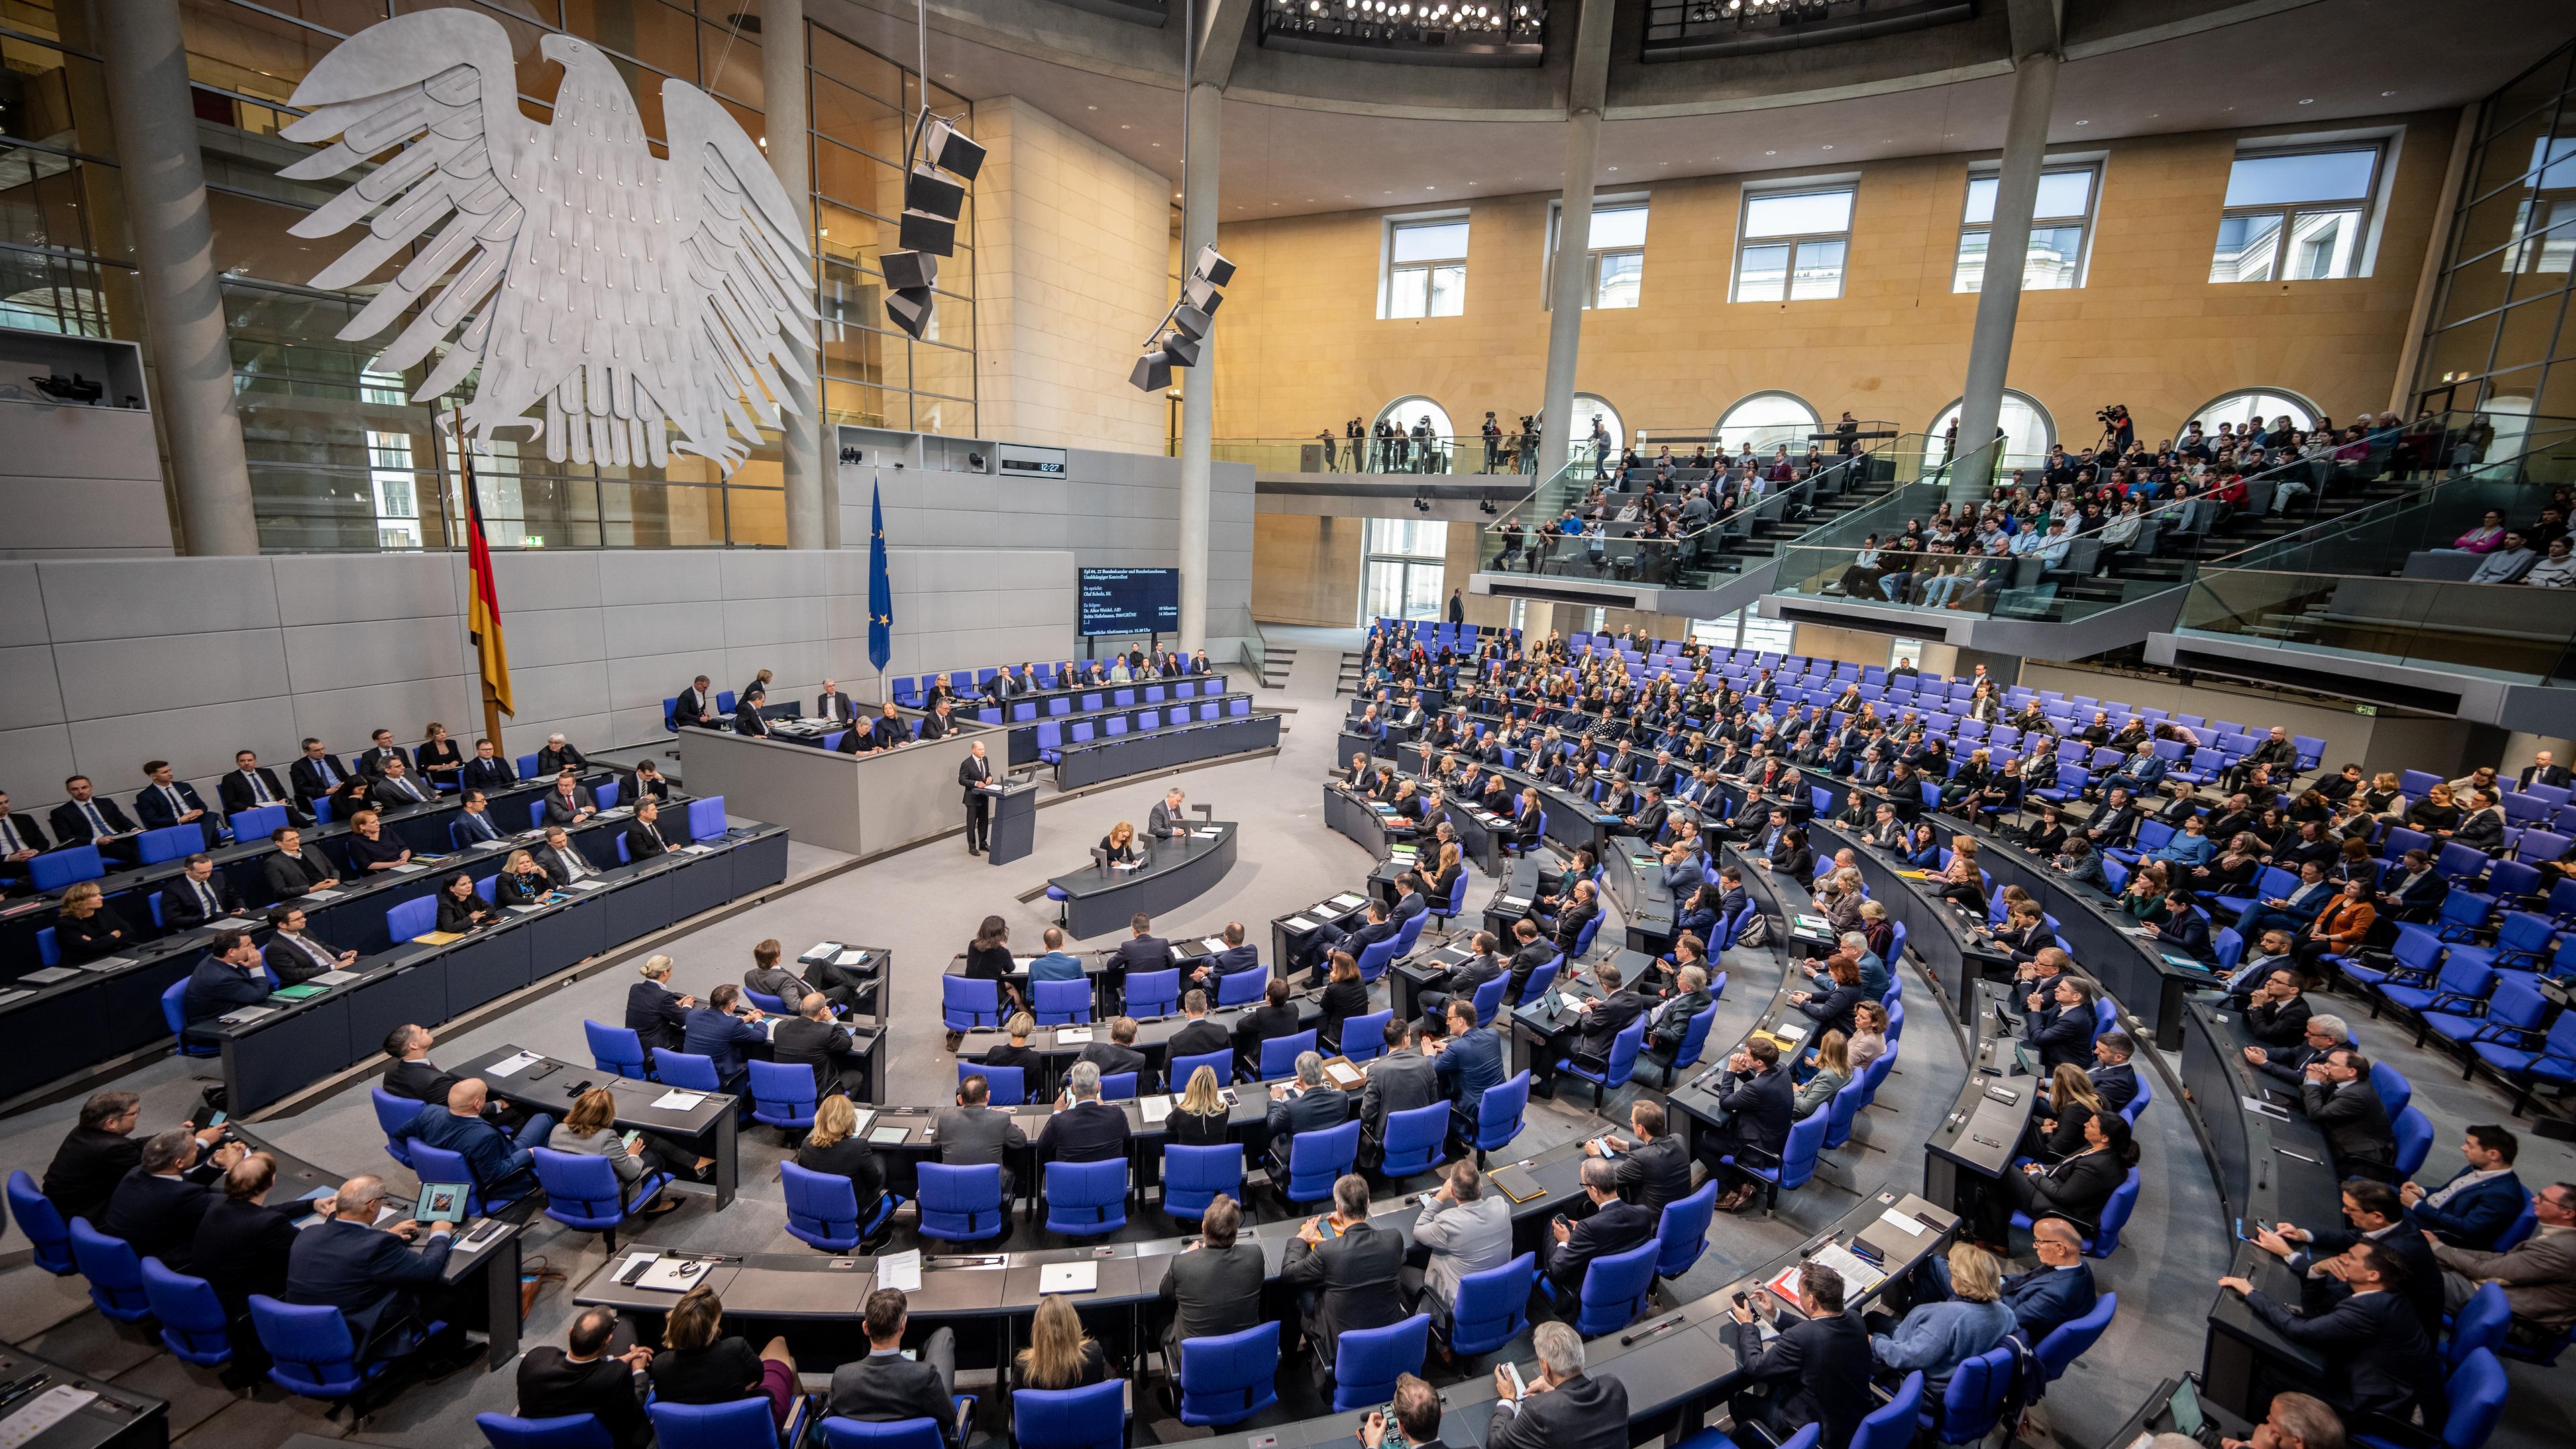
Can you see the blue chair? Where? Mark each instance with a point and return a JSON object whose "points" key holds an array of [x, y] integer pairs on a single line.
{"points": [[2414, 1133], [689, 1071], [257, 824], [1219, 1062], [1241, 988], [2476, 1392], [1842, 1109], [961, 1204], [1975, 1399], [2103, 1239], [1317, 1159], [1681, 1234], [582, 1191], [1615, 1290], [1492, 1307], [115, 1275], [1084, 1199], [1062, 1003], [823, 1210], [617, 1049], [2392, 1087], [154, 847], [572, 1431], [1716, 1439], [1153, 993], [1366, 1361], [2146, 1097], [192, 1320], [412, 918], [741, 1424], [394, 1117], [1006, 1084], [311, 1353], [1118, 1087], [783, 1095], [1622, 1063], [1498, 1115], [1279, 1054], [1230, 1378], [1797, 1160], [1489, 999], [70, 865], [1374, 958], [174, 1015], [1695, 1034], [42, 1223], [967, 1003], [1086, 1418], [774, 1005], [706, 818], [437, 1164], [2480, 1324], [1893, 1426], [2069, 1341], [840, 1433], [1416, 1140], [1364, 1037], [1194, 1177]]}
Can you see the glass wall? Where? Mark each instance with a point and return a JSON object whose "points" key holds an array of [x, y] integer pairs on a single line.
{"points": [[341, 458], [1406, 560], [2501, 342]]}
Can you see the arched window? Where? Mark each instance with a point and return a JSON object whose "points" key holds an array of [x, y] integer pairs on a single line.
{"points": [[1766, 420], [1404, 456], [1588, 407], [2028, 430], [2247, 404]]}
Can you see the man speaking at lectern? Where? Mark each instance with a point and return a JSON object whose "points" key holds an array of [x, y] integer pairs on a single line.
{"points": [[973, 773]]}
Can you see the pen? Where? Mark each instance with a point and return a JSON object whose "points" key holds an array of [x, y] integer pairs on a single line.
{"points": [[2303, 1157], [1646, 1333]]}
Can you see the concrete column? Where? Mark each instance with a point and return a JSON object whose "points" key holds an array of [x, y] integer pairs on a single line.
{"points": [[2007, 248], [782, 85], [1565, 290], [183, 307], [1198, 384]]}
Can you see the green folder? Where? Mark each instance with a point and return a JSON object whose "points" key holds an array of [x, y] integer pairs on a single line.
{"points": [[298, 991]]}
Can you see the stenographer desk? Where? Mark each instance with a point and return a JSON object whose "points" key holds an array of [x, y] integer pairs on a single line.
{"points": [[289, 1044], [1100, 899]]}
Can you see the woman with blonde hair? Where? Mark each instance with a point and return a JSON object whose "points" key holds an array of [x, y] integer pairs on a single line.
{"points": [[86, 927], [1869, 1036], [1060, 1355], [2072, 1101], [1833, 1071], [834, 1148], [1199, 1118], [1959, 879], [522, 881], [1939, 1336], [370, 849], [701, 1364], [1119, 845], [590, 1130]]}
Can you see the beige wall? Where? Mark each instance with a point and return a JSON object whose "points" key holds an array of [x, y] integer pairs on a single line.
{"points": [[1070, 250], [1306, 570], [1303, 348]]}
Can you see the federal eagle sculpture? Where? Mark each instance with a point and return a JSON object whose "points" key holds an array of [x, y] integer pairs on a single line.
{"points": [[630, 296]]}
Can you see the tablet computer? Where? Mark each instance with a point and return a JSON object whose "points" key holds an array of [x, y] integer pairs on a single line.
{"points": [[441, 1202]]}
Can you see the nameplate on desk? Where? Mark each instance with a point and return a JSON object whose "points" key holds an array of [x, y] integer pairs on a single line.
{"points": [[695, 850], [1079, 1277], [2255, 1104], [523, 910]]}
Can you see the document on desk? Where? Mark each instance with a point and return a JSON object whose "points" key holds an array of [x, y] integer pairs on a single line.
{"points": [[43, 1412], [1349, 901], [1073, 1036], [1081, 1277], [317, 897], [586, 883], [513, 1064], [108, 963], [674, 1275], [679, 1101], [1517, 903], [851, 958], [1213, 943], [1155, 1109], [2256, 1104], [1910, 1226], [1298, 923], [900, 1271], [230, 923], [1206, 834], [246, 1015]]}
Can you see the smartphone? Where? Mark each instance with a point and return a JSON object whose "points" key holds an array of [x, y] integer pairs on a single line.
{"points": [[1740, 1300], [630, 1138], [1394, 1433], [1520, 1388], [217, 1120]]}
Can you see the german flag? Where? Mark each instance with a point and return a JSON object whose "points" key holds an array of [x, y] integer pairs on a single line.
{"points": [[483, 615]]}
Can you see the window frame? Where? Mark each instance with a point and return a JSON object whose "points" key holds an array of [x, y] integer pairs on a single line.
{"points": [[1813, 186], [2090, 165], [1388, 265], [1592, 259], [2370, 205]]}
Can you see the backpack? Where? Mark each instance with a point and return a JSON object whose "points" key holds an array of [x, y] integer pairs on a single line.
{"points": [[1756, 930]]}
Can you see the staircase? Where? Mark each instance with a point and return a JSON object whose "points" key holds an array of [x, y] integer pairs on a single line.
{"points": [[1278, 661], [1762, 538], [2175, 561], [1349, 680]]}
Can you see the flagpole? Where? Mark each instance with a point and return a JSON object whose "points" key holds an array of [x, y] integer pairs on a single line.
{"points": [[473, 523]]}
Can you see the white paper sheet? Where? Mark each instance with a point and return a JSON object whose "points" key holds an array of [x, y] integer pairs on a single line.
{"points": [[679, 1101], [900, 1271], [1082, 1277], [1911, 1227], [512, 1065]]}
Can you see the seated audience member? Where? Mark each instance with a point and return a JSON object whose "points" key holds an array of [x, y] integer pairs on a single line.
{"points": [[1084, 1128], [99, 1151], [1016, 1052], [316, 774], [1816, 1371], [166, 801], [2337, 1095], [227, 978], [1756, 1094], [395, 787], [2081, 1183], [656, 1014], [86, 927], [86, 818], [1606, 1225], [501, 1163], [588, 1376], [644, 837], [1462, 1229], [1566, 1408], [1213, 1288], [521, 882], [1935, 1337], [1344, 1279], [292, 955], [1274, 1017], [375, 1277], [590, 1130], [243, 1241], [1201, 1116], [21, 839], [886, 1386], [768, 976], [198, 896], [812, 1039], [974, 1133], [369, 848], [835, 1148], [700, 1364], [1060, 1355], [2371, 1213], [570, 802], [157, 1206], [2481, 1200], [1119, 1055], [1651, 1164], [1305, 1105], [461, 908], [721, 1030], [293, 871], [252, 785], [2538, 1273], [488, 770], [2375, 1353], [559, 754]]}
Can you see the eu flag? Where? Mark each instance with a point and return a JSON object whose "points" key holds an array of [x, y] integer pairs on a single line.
{"points": [[880, 586]]}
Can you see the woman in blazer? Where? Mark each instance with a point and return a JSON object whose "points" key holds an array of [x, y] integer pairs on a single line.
{"points": [[370, 849], [1199, 1118], [1923, 848], [2072, 1102], [2081, 1186], [1119, 845], [1344, 997], [86, 927], [2340, 927], [459, 908], [522, 881], [440, 762]]}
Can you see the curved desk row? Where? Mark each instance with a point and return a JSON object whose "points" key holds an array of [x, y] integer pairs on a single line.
{"points": [[1099, 899], [1120, 756], [294, 1043]]}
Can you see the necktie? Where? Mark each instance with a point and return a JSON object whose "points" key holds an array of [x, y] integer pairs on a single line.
{"points": [[9, 837], [205, 897], [97, 822], [650, 830], [258, 787], [178, 807], [320, 956], [572, 863]]}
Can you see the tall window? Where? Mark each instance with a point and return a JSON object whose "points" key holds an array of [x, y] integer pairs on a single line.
{"points": [[2295, 215], [2249, 405], [1406, 560], [1426, 268], [1766, 420], [2059, 222], [2544, 224], [1792, 245], [1614, 264], [2027, 429]]}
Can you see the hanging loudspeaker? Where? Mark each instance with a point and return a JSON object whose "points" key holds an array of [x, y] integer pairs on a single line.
{"points": [[1202, 295], [905, 270], [949, 151], [928, 191], [1213, 266], [910, 309], [1153, 371], [923, 232], [1190, 322], [1183, 351]]}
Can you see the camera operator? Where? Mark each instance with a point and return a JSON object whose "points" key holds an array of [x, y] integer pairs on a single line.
{"points": [[2118, 428]]}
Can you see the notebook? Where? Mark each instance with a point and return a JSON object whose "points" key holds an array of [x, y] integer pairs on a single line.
{"points": [[1515, 1183], [889, 1136]]}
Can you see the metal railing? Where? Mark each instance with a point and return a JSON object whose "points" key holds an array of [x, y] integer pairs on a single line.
{"points": [[2503, 631], [2392, 535]]}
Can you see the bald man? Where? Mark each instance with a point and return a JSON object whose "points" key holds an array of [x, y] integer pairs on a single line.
{"points": [[374, 1277], [502, 1164]]}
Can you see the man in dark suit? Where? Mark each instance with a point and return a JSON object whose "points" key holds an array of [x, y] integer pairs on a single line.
{"points": [[1213, 1288], [380, 752], [2115, 1081], [832, 704], [1166, 819], [2481, 1200], [21, 840], [1529, 954], [2372, 1213], [2057, 1292], [394, 786], [1609, 1226], [1119, 1054], [252, 785], [1237, 956], [1756, 1096], [198, 895], [292, 956], [373, 1277], [315, 774], [563, 861], [86, 818], [1566, 1408], [156, 1207], [1815, 1372], [1141, 951], [1467, 1062], [885, 1387], [1463, 980], [890, 728], [813, 1039], [244, 1240], [474, 824], [1346, 1273], [1652, 1167], [721, 1030], [1598, 1023], [1378, 924], [584, 1377], [488, 770], [1273, 1017], [1084, 1128], [2342, 1103], [570, 802], [1402, 1079], [99, 1151], [654, 1012], [2376, 1356], [747, 718], [501, 1162], [974, 776], [226, 978], [1198, 1036], [2277, 1014], [1304, 1106], [413, 1076], [644, 833], [695, 706], [166, 801], [939, 723]]}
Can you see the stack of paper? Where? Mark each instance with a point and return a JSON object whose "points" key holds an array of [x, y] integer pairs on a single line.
{"points": [[512, 1064], [676, 1101], [900, 1271], [1155, 1109]]}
